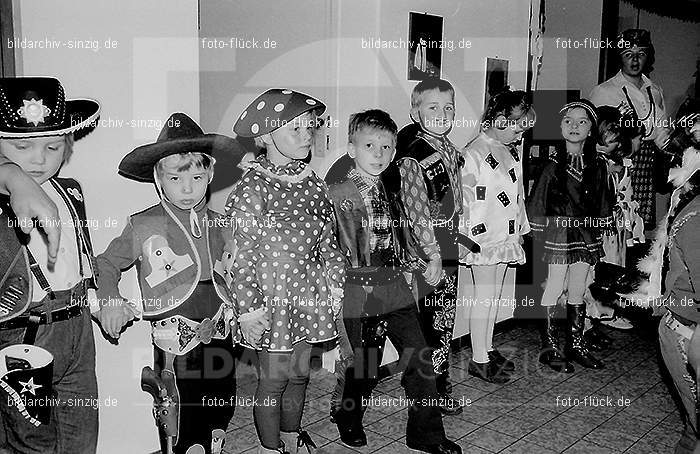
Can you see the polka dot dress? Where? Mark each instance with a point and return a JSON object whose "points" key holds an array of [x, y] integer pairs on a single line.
{"points": [[288, 258]]}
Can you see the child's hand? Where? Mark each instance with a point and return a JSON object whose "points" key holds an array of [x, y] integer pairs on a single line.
{"points": [[433, 272], [114, 316], [254, 328]]}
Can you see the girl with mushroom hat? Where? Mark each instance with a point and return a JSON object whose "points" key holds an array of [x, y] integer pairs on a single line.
{"points": [[289, 287]]}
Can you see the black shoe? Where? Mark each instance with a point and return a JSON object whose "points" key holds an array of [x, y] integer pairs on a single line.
{"points": [[445, 447], [576, 347], [353, 437], [443, 383], [489, 372], [501, 361], [449, 406], [593, 342]]}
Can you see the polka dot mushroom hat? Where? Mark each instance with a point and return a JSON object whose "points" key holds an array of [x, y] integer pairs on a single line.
{"points": [[273, 109]]}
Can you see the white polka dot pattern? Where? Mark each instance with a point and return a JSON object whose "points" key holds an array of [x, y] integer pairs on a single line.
{"points": [[282, 261]]}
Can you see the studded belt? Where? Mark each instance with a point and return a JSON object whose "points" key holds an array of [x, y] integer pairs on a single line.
{"points": [[179, 335]]}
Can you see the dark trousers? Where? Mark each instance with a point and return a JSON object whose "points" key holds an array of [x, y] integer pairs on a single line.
{"points": [[206, 382], [73, 424], [279, 398], [395, 301], [437, 316]]}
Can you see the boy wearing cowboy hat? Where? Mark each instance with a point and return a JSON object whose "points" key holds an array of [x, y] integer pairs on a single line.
{"points": [[38, 314], [183, 267]]}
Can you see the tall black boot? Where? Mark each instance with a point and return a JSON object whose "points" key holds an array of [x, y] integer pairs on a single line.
{"points": [[576, 349], [550, 354]]}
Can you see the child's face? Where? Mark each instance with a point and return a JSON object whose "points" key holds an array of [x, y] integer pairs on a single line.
{"points": [[576, 126], [372, 149], [293, 140], [184, 188], [39, 157], [612, 141], [694, 130], [509, 130], [436, 111]]}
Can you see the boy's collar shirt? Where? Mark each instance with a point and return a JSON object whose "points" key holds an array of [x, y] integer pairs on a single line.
{"points": [[377, 206], [610, 93], [66, 272]]}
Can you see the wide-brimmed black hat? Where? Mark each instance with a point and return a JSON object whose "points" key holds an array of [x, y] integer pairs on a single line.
{"points": [[179, 135], [37, 107], [273, 109]]}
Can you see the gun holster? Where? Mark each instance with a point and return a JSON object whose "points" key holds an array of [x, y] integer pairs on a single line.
{"points": [[166, 401], [374, 327]]}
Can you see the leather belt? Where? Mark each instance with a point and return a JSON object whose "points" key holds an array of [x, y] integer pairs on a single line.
{"points": [[372, 276], [75, 297], [680, 325], [43, 318], [178, 335]]}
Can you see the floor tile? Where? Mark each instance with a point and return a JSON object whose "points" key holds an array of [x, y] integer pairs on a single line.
{"points": [[525, 447], [586, 447], [611, 438], [489, 439], [551, 439]]}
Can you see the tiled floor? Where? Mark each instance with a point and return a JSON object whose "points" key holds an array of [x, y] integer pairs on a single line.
{"points": [[634, 412]]}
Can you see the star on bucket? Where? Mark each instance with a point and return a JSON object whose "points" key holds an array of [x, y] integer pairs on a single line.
{"points": [[29, 386], [33, 111]]}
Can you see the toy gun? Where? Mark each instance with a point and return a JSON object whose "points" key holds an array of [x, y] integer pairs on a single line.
{"points": [[166, 404], [462, 239]]}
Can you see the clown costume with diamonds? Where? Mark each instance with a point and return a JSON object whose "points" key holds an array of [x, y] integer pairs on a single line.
{"points": [[183, 261], [290, 272]]}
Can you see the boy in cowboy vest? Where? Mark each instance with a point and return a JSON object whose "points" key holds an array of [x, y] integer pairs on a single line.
{"points": [[183, 270], [46, 338], [370, 235], [427, 164]]}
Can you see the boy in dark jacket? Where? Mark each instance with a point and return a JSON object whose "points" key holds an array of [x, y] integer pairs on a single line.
{"points": [[377, 298]]}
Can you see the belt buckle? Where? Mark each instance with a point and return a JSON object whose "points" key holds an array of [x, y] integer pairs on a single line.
{"points": [[205, 330]]}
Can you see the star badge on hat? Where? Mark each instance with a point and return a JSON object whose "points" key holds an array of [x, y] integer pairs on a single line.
{"points": [[33, 111], [273, 109]]}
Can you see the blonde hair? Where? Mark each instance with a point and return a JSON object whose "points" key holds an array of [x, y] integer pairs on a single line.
{"points": [[68, 150], [185, 161]]}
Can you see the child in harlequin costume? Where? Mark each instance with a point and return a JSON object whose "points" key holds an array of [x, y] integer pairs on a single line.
{"points": [[569, 209], [377, 296], [290, 275], [41, 309], [428, 174], [494, 217], [183, 261]]}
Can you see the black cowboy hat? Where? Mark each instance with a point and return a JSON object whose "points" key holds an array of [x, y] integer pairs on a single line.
{"points": [[37, 107], [179, 135]]}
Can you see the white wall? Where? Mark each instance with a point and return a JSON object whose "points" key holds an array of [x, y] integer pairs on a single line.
{"points": [[677, 46], [571, 68], [319, 49], [152, 72]]}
